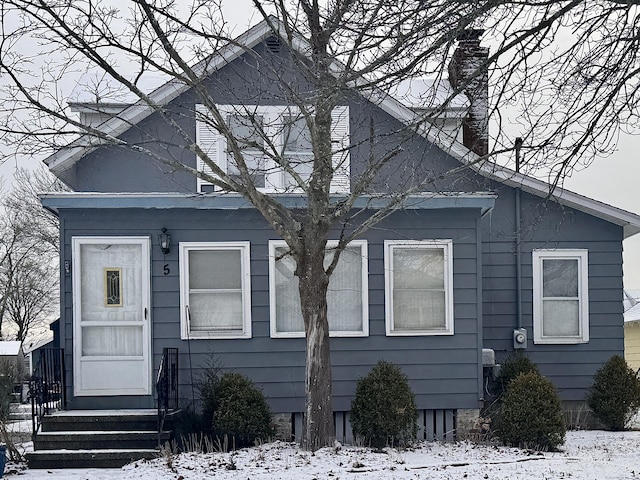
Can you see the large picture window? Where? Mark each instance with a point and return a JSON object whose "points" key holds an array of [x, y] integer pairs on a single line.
{"points": [[560, 296], [419, 287], [347, 296], [271, 138], [215, 290]]}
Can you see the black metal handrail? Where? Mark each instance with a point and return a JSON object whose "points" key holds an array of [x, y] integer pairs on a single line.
{"points": [[167, 385], [47, 386]]}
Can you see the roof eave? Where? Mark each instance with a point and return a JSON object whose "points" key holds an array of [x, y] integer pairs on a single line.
{"points": [[54, 202]]}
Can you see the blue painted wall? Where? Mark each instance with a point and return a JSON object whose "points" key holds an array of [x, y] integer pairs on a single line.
{"points": [[443, 370]]}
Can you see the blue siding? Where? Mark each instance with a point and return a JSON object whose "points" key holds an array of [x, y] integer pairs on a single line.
{"points": [[570, 367], [443, 370]]}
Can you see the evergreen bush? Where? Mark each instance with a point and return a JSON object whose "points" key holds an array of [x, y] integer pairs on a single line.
{"points": [[614, 396], [531, 414], [240, 412], [513, 366], [383, 412]]}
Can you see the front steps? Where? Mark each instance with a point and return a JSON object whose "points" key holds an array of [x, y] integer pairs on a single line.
{"points": [[96, 439]]}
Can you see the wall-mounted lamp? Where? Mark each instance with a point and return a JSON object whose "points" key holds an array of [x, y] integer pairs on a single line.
{"points": [[165, 241]]}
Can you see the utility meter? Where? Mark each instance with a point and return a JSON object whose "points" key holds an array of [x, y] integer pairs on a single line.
{"points": [[519, 338]]}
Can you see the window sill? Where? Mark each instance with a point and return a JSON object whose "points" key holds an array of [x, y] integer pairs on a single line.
{"points": [[331, 335], [418, 333], [560, 341], [215, 336]]}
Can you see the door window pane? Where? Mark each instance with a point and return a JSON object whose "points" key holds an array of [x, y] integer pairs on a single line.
{"points": [[112, 341]]}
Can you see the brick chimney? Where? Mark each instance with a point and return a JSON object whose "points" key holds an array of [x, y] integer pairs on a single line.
{"points": [[468, 71]]}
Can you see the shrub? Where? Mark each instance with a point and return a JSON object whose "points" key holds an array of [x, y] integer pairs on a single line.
{"points": [[531, 415], [9, 376], [614, 396], [241, 412], [512, 367], [383, 411], [209, 386]]}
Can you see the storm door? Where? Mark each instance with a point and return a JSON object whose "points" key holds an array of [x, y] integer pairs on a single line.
{"points": [[111, 321]]}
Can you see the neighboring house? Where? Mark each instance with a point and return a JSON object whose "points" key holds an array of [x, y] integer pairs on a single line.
{"points": [[501, 264], [50, 340], [12, 357], [632, 328]]}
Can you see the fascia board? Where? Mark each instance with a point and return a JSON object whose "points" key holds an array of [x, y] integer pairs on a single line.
{"points": [[484, 201]]}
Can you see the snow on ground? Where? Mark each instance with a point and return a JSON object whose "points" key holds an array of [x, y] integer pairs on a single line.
{"points": [[586, 455]]}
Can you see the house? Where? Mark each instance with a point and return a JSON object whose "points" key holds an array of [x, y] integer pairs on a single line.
{"points": [[50, 340], [484, 263], [12, 357], [632, 328]]}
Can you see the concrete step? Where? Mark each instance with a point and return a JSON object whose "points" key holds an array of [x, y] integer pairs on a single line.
{"points": [[104, 420], [80, 440], [87, 458]]}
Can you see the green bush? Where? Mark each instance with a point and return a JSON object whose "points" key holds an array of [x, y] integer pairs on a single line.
{"points": [[240, 411], [614, 396], [9, 377], [383, 411], [531, 414], [513, 366]]}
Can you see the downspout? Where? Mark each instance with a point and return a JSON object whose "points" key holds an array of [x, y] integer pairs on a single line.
{"points": [[518, 237]]}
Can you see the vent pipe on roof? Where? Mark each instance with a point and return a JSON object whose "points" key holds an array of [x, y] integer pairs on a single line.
{"points": [[468, 71]]}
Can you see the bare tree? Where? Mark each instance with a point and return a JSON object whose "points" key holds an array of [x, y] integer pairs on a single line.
{"points": [[29, 248], [327, 53]]}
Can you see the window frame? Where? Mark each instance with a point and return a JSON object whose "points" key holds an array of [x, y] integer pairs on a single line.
{"points": [[446, 245], [245, 276], [214, 144], [538, 257], [364, 332]]}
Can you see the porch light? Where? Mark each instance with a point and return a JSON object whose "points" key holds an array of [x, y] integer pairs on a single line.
{"points": [[165, 241]]}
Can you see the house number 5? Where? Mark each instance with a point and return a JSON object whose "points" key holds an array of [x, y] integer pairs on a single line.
{"points": [[166, 270]]}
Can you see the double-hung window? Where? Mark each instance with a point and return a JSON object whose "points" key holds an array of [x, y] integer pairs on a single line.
{"points": [[347, 295], [275, 145], [215, 290], [560, 296], [419, 287]]}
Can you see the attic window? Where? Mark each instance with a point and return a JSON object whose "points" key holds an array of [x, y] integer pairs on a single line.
{"points": [[273, 44], [274, 143]]}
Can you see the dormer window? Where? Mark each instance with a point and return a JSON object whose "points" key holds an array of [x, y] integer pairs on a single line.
{"points": [[274, 142]]}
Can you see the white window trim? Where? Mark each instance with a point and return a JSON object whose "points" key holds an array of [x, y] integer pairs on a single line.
{"points": [[447, 246], [215, 144], [362, 244], [583, 295], [245, 272]]}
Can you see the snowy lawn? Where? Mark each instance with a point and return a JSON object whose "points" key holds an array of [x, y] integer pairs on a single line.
{"points": [[586, 455]]}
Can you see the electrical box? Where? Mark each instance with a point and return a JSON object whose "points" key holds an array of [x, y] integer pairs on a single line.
{"points": [[519, 338]]}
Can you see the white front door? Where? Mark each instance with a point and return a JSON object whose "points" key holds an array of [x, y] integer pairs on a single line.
{"points": [[111, 318]]}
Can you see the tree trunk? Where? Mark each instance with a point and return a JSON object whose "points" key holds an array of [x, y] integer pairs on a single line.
{"points": [[319, 429]]}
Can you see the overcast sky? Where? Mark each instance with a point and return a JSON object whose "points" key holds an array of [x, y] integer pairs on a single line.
{"points": [[616, 180]]}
